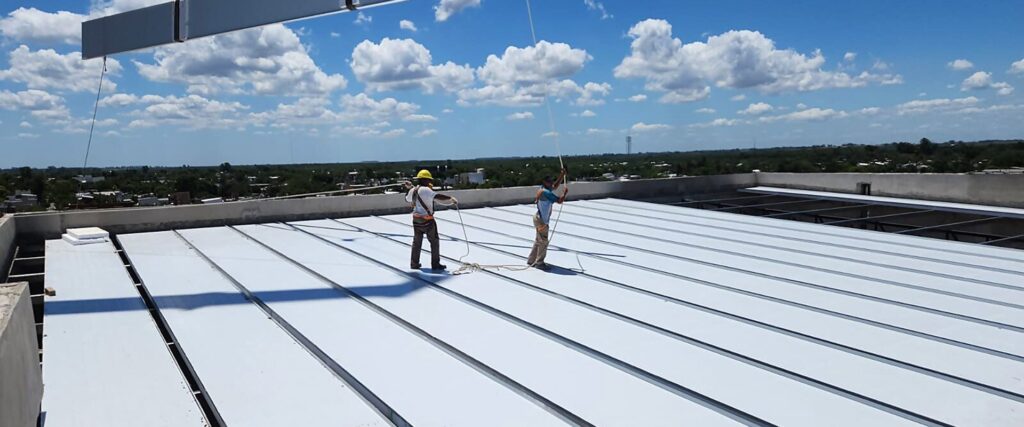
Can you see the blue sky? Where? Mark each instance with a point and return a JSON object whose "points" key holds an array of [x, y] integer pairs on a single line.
{"points": [[461, 79]]}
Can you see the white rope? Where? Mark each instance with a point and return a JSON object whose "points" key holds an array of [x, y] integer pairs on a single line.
{"points": [[95, 109], [474, 267]]}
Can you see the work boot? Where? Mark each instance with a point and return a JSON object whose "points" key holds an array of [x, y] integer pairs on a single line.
{"points": [[439, 267], [415, 266], [543, 266]]}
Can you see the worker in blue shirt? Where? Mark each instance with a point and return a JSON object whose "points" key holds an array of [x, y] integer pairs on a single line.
{"points": [[545, 200]]}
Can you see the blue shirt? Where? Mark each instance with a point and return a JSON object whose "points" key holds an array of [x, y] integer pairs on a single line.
{"points": [[546, 200]]}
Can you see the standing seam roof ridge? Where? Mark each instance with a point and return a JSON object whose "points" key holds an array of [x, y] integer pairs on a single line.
{"points": [[1004, 253], [793, 238], [820, 269], [807, 284], [650, 377], [728, 353], [792, 303]]}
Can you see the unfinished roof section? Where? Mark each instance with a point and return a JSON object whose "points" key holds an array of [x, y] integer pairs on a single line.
{"points": [[655, 315], [985, 225], [895, 201]]}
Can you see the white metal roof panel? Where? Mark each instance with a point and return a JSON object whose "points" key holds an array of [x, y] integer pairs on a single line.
{"points": [[105, 363], [945, 275], [915, 392], [254, 372], [915, 350], [660, 251], [766, 395], [589, 388], [895, 201], [422, 383], [758, 227], [680, 315], [1003, 258]]}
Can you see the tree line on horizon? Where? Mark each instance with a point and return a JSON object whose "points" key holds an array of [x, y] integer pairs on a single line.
{"points": [[58, 186]]}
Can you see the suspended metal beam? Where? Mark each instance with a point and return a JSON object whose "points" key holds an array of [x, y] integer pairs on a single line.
{"points": [[182, 20]]}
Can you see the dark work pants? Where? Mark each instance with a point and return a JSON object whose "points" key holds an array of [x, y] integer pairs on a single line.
{"points": [[428, 228]]}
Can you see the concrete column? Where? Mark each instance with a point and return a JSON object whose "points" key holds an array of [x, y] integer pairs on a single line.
{"points": [[21, 390], [7, 234]]}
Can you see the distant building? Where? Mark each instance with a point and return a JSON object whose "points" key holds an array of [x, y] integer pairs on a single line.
{"points": [[1010, 171], [478, 177], [89, 179], [21, 200], [148, 201]]}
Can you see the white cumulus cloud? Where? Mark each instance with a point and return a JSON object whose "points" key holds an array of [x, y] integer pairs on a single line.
{"points": [[598, 7], [850, 56], [932, 105], [734, 59], [983, 80], [525, 115], [1017, 67], [960, 64], [38, 103], [35, 26], [362, 19], [190, 111], [47, 69], [524, 76], [642, 127], [638, 98], [407, 25], [269, 60], [756, 109], [446, 8], [402, 64]]}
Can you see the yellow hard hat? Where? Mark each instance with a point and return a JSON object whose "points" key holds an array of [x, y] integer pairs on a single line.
{"points": [[424, 174]]}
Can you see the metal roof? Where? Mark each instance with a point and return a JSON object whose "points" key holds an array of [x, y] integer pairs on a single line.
{"points": [[678, 316]]}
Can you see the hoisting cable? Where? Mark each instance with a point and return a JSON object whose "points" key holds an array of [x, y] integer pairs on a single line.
{"points": [[95, 108], [468, 267]]}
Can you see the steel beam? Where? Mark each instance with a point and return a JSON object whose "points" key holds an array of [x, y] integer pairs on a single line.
{"points": [[181, 20], [1004, 239], [788, 202], [727, 199], [814, 211], [945, 227], [872, 218]]}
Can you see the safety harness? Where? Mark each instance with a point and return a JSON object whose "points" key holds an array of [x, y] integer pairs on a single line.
{"points": [[430, 212]]}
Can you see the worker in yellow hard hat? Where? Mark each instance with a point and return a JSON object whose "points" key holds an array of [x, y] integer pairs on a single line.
{"points": [[421, 197]]}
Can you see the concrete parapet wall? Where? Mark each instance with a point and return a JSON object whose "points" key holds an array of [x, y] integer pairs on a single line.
{"points": [[997, 190], [7, 235], [21, 381], [51, 224]]}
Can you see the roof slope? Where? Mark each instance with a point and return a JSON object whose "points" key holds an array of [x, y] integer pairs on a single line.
{"points": [[655, 315]]}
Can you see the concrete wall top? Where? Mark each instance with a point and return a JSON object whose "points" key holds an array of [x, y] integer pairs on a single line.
{"points": [[21, 390], [996, 190], [51, 224]]}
